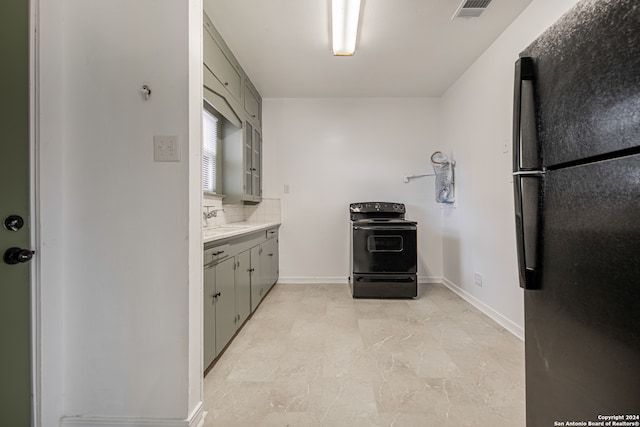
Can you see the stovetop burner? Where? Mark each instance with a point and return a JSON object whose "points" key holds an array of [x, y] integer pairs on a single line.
{"points": [[376, 210]]}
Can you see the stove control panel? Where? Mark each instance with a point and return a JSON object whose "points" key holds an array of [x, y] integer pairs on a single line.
{"points": [[368, 207]]}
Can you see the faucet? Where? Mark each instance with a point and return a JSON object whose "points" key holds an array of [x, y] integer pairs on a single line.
{"points": [[211, 213]]}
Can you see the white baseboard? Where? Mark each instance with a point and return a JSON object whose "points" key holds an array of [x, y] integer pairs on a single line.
{"points": [[342, 280], [196, 419], [423, 280], [494, 315], [313, 280]]}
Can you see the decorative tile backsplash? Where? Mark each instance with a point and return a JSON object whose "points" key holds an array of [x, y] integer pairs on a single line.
{"points": [[266, 211]]}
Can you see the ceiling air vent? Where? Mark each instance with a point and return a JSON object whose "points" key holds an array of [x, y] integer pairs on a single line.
{"points": [[471, 8]]}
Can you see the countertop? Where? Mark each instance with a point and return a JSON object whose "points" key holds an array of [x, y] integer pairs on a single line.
{"points": [[234, 229]]}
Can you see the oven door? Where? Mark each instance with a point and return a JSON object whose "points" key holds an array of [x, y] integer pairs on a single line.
{"points": [[384, 248]]}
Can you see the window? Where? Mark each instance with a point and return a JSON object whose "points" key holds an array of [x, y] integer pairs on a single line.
{"points": [[209, 152]]}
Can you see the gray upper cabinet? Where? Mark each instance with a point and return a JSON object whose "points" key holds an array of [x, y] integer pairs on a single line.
{"points": [[228, 89], [242, 167], [222, 67], [256, 165], [252, 164], [253, 105]]}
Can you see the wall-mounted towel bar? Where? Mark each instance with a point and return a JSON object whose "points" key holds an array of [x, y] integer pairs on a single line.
{"points": [[443, 171], [408, 177]]}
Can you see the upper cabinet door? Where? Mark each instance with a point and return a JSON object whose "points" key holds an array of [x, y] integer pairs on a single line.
{"points": [[222, 67], [252, 105], [248, 170], [256, 165]]}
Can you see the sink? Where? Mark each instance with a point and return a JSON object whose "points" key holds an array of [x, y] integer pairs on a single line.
{"points": [[227, 228], [224, 229]]}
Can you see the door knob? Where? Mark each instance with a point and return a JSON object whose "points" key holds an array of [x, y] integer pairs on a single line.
{"points": [[17, 255]]}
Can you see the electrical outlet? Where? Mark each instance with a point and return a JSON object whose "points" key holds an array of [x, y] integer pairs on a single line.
{"points": [[477, 279], [166, 148]]}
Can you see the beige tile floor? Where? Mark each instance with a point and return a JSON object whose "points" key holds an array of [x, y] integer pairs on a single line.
{"points": [[313, 356]]}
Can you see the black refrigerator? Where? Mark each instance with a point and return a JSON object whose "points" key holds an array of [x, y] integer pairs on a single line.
{"points": [[576, 159]]}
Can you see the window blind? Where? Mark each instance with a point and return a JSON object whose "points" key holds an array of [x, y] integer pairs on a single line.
{"points": [[209, 151]]}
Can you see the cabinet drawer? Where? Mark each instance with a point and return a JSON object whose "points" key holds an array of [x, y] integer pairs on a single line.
{"points": [[271, 233], [221, 66], [216, 254]]}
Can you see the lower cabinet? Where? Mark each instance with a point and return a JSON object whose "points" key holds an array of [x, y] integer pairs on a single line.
{"points": [[209, 315], [264, 260], [225, 303], [237, 275], [269, 259], [243, 286], [257, 280], [220, 318]]}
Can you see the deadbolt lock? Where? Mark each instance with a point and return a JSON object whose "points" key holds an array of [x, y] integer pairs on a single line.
{"points": [[13, 222]]}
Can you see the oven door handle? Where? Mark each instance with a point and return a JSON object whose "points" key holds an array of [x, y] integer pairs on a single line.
{"points": [[374, 228]]}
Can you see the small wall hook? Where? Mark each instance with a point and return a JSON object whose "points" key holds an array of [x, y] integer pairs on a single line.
{"points": [[146, 91]]}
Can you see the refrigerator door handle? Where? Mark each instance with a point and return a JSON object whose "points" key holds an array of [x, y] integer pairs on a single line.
{"points": [[526, 192], [526, 184], [524, 70], [530, 173]]}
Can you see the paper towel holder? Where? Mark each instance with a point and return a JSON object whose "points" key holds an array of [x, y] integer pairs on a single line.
{"points": [[443, 169]]}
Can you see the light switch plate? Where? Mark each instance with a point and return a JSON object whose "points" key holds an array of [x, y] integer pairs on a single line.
{"points": [[166, 148]]}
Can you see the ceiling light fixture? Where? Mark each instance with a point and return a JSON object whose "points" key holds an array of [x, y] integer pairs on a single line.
{"points": [[345, 15]]}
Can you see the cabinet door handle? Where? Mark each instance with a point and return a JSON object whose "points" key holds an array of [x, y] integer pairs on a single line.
{"points": [[251, 270], [226, 83], [270, 254], [216, 295]]}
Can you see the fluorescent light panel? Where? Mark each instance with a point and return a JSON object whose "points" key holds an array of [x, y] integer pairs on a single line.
{"points": [[345, 15]]}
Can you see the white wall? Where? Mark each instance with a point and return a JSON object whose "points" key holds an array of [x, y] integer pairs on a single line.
{"points": [[331, 152], [195, 254], [479, 235], [120, 247], [119, 259]]}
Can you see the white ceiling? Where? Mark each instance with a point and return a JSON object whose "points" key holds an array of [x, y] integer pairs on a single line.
{"points": [[405, 48]]}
